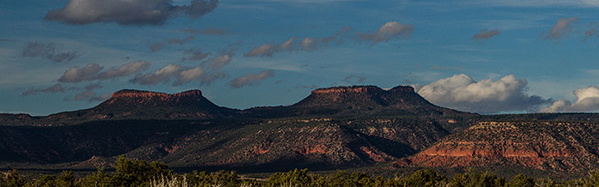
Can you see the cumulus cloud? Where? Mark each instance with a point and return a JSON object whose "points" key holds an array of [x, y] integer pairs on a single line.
{"points": [[129, 12], [92, 72], [287, 45], [219, 61], [207, 72], [386, 32], [587, 99], [593, 31], [560, 29], [486, 96], [263, 50], [195, 55], [48, 51], [306, 44], [251, 79], [178, 75], [52, 89], [76, 74], [161, 75], [188, 75], [557, 106], [485, 34], [206, 31]]}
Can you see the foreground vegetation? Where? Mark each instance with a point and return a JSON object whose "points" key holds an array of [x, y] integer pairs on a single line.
{"points": [[155, 174]]}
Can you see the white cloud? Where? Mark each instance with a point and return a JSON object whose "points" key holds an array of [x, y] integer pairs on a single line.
{"points": [[181, 75], [308, 44], [263, 50], [196, 55], [251, 79], [486, 96], [287, 45], [161, 75], [219, 61], [587, 99], [189, 75], [92, 72], [386, 32], [129, 12]]}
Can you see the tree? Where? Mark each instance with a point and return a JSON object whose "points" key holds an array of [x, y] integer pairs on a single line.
{"points": [[98, 178], [521, 180], [137, 172], [295, 177], [425, 178], [474, 179], [12, 179]]}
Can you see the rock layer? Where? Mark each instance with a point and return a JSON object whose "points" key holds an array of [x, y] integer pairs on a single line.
{"points": [[559, 146]]}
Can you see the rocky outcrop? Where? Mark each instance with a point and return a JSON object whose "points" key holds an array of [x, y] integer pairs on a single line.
{"points": [[299, 143], [15, 119], [138, 99], [351, 100], [352, 89], [137, 104], [542, 145]]}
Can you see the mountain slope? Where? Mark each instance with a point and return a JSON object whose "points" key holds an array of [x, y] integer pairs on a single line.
{"points": [[282, 143], [136, 104], [363, 101], [368, 125], [546, 145]]}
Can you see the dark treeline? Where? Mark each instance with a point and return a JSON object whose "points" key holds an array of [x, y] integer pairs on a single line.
{"points": [[141, 173]]}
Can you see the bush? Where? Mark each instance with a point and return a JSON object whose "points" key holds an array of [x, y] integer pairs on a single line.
{"points": [[291, 178], [137, 172], [425, 178], [171, 181], [220, 178], [99, 178], [12, 179], [341, 179], [474, 179], [521, 180]]}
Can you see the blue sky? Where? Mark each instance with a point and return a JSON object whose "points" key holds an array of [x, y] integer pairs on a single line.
{"points": [[479, 56]]}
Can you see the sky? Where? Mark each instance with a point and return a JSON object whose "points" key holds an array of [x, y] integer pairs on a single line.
{"points": [[484, 56]]}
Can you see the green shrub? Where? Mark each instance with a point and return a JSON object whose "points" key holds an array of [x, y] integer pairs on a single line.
{"points": [[425, 177], [99, 178], [220, 178], [521, 180], [475, 179], [137, 172], [12, 179], [291, 178], [341, 179]]}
